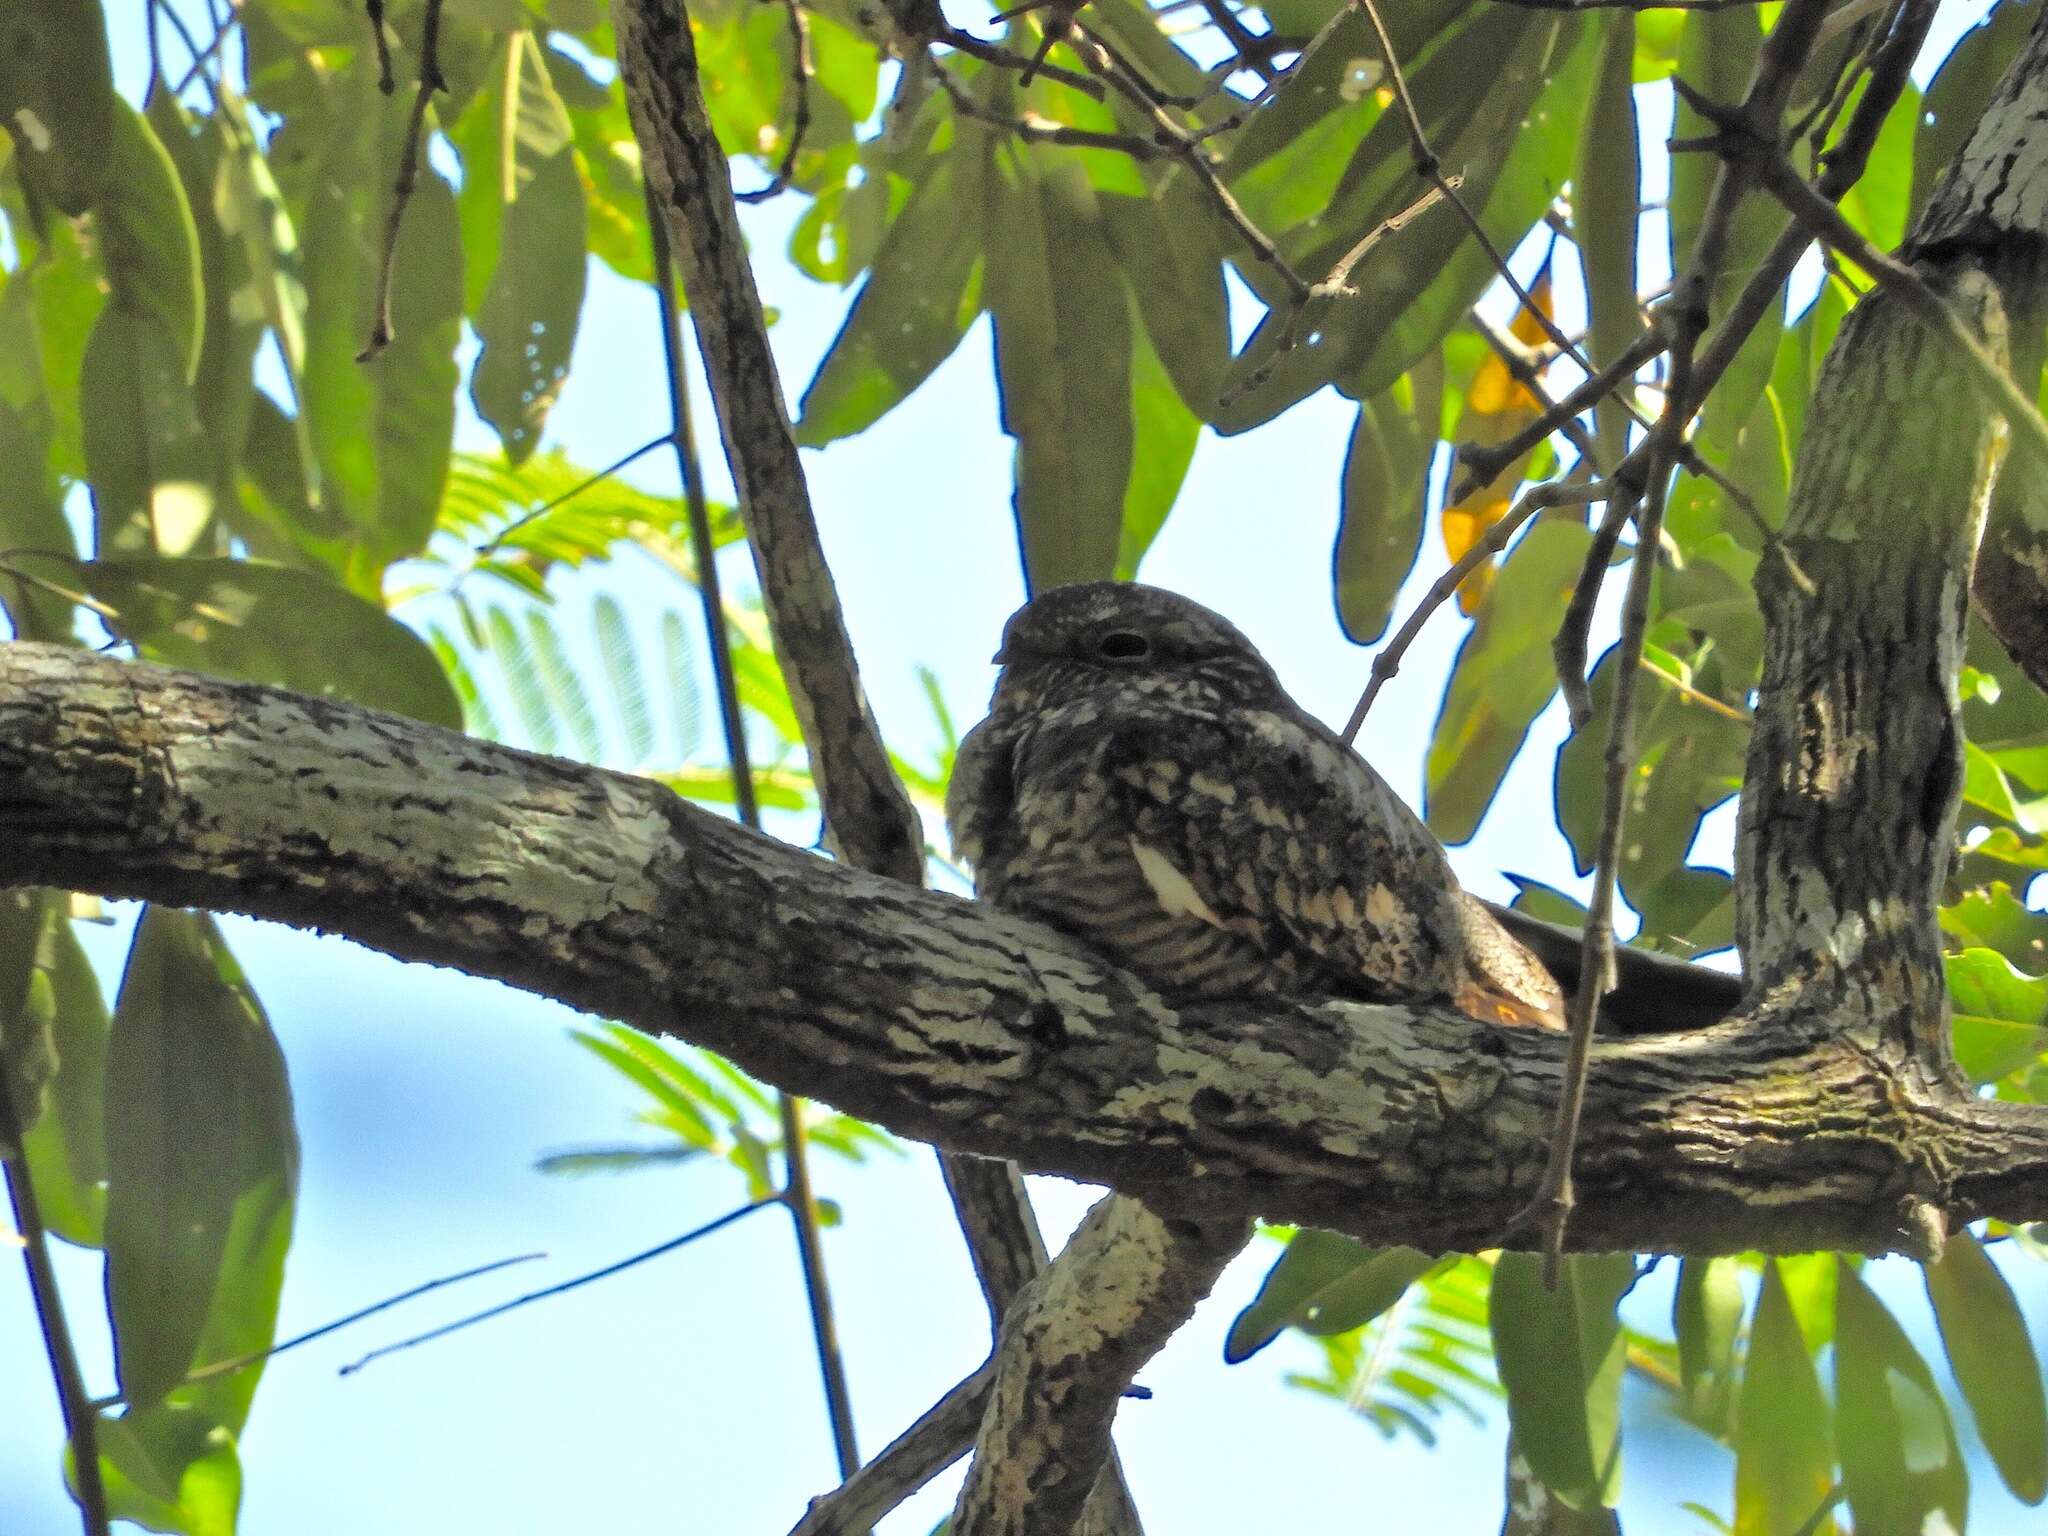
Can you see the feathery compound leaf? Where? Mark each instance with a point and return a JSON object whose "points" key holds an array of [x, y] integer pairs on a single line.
{"points": [[567, 695], [1994, 1362], [622, 671], [679, 672], [477, 718], [522, 678]]}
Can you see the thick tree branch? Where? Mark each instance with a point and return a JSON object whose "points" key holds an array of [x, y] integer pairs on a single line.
{"points": [[951, 1022], [1078, 1333]]}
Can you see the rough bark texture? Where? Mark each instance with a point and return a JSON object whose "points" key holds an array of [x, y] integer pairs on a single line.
{"points": [[954, 1023], [1075, 1337]]}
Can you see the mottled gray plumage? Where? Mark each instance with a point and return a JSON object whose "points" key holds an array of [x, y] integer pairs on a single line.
{"points": [[1144, 782]]}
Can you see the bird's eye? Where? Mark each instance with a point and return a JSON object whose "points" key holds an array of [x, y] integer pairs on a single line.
{"points": [[1123, 645]]}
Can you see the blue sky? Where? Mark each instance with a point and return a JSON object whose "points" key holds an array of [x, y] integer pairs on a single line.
{"points": [[682, 1395]]}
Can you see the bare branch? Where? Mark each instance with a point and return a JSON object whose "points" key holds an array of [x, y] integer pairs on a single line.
{"points": [[800, 52], [430, 81]]}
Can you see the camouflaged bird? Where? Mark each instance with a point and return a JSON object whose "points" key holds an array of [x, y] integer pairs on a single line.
{"points": [[1144, 783]]}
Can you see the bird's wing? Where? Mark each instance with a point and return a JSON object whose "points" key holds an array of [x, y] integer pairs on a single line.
{"points": [[1270, 827]]}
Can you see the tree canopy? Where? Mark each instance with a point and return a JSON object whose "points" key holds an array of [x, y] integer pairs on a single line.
{"points": [[1796, 397]]}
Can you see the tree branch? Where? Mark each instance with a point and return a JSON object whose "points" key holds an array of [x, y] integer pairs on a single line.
{"points": [[948, 1021]]}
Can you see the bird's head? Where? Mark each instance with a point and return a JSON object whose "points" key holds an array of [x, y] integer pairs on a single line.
{"points": [[1118, 637]]}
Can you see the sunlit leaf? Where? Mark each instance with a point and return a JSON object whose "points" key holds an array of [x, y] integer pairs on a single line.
{"points": [[1784, 1455], [1386, 479], [151, 467], [1994, 1361], [57, 96], [1900, 1460], [1606, 192], [1561, 1354]]}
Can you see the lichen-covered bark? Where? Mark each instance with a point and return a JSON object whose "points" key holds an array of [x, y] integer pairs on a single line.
{"points": [[951, 1022], [1855, 765], [1126, 1281]]}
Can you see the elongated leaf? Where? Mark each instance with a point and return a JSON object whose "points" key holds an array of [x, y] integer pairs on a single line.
{"points": [[1784, 1456], [202, 1161], [1560, 1354], [57, 96], [270, 624], [1900, 1460], [679, 672], [381, 429], [525, 237], [1606, 191], [65, 299], [149, 246], [1163, 435], [1323, 1282], [151, 465], [1502, 678], [1166, 245], [1994, 1361], [67, 1157], [1706, 1317], [31, 517], [1386, 481], [28, 1047], [923, 292], [1063, 360]]}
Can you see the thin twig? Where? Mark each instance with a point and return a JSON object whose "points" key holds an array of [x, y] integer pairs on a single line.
{"points": [[1484, 465], [409, 159], [589, 1277], [1037, 130], [497, 540], [222, 27], [1824, 221], [1555, 493], [1184, 147], [796, 1195], [800, 47], [1006, 58], [942, 1434], [386, 81], [81, 1424], [223, 1367], [1430, 169], [1688, 692], [1568, 645], [1242, 39], [1778, 64]]}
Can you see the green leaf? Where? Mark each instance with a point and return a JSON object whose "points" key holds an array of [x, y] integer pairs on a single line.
{"points": [[1561, 1354], [1323, 1282], [1706, 1318], [1994, 1361], [170, 1469], [1606, 183], [28, 1045], [1992, 917], [202, 1162], [524, 223], [1166, 245], [149, 246], [568, 699], [1385, 488], [381, 429], [1784, 1458], [150, 462], [622, 672], [529, 697], [1900, 1461], [1063, 360], [1960, 91], [67, 1157], [31, 517], [923, 292], [1163, 436], [1502, 678], [686, 709], [57, 97], [65, 298], [270, 624], [1998, 1014]]}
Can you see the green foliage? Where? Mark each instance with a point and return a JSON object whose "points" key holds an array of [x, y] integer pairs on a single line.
{"points": [[318, 529]]}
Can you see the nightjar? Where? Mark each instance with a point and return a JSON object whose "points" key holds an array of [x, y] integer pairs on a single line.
{"points": [[1144, 783]]}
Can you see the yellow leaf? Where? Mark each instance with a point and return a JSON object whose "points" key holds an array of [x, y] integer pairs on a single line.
{"points": [[1497, 406]]}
